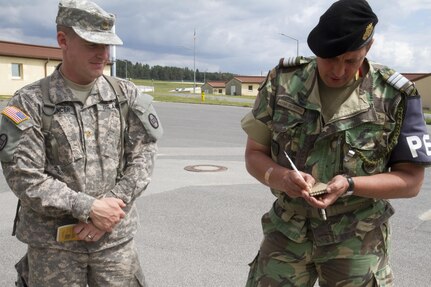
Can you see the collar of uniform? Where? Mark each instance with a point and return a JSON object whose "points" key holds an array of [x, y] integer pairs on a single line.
{"points": [[354, 104], [101, 92], [106, 91], [359, 101], [61, 94]]}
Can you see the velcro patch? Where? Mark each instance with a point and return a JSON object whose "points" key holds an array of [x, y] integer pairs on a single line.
{"points": [[14, 114]]}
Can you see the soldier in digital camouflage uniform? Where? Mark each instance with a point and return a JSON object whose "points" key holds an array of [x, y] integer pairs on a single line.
{"points": [[87, 168], [345, 121]]}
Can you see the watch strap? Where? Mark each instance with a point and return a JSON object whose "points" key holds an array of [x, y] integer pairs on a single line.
{"points": [[351, 187]]}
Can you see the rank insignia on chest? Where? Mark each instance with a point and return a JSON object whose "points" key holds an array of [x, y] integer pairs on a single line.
{"points": [[14, 114]]}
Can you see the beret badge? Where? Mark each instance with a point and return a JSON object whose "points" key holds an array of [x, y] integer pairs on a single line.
{"points": [[368, 31], [105, 25]]}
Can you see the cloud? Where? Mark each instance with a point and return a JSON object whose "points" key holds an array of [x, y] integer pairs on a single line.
{"points": [[398, 53], [241, 36]]}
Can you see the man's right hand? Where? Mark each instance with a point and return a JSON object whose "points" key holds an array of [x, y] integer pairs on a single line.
{"points": [[107, 212]]}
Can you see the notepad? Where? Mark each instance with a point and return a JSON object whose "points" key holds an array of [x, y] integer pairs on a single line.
{"points": [[66, 233], [318, 189]]}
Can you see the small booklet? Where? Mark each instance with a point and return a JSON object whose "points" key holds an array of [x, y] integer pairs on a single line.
{"points": [[66, 233], [318, 189]]}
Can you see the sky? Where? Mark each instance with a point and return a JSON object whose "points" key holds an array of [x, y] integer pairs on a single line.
{"points": [[234, 36]]}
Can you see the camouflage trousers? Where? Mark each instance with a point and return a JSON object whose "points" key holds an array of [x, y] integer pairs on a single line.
{"points": [[354, 262], [113, 267]]}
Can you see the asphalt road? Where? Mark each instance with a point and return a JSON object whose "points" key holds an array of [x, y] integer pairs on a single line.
{"points": [[203, 228]]}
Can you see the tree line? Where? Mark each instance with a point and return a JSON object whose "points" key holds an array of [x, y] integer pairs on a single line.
{"points": [[127, 69]]}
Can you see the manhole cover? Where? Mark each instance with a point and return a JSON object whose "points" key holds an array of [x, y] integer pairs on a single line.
{"points": [[205, 168]]}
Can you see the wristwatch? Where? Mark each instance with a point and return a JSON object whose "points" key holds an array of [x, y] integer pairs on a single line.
{"points": [[351, 187]]}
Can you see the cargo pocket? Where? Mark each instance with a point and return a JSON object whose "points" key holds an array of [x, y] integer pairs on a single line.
{"points": [[289, 224], [252, 278], [384, 277], [22, 270], [386, 233], [140, 279]]}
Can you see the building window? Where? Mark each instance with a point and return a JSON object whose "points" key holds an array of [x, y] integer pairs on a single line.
{"points": [[250, 88], [220, 91], [16, 71]]}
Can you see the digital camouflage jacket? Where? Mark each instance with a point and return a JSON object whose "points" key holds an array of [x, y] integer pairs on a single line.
{"points": [[58, 187]]}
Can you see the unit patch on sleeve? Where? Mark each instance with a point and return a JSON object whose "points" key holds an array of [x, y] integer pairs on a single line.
{"points": [[154, 122], [14, 114]]}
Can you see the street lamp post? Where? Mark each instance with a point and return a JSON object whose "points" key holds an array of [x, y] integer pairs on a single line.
{"points": [[194, 61], [297, 42]]}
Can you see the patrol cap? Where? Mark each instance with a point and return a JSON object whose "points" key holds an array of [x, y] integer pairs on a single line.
{"points": [[346, 26], [88, 20]]}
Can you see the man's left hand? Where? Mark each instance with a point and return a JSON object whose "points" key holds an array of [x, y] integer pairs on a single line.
{"points": [[88, 231], [336, 188]]}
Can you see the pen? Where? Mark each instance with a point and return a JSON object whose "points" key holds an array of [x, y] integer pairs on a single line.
{"points": [[293, 165], [321, 211]]}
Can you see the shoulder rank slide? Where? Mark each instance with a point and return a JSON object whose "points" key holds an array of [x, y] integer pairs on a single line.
{"points": [[294, 61], [397, 80], [14, 114], [401, 83], [290, 62]]}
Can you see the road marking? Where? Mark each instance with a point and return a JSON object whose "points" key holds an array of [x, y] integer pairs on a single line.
{"points": [[425, 216]]}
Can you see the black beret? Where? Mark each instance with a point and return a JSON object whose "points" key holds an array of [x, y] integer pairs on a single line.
{"points": [[346, 26]]}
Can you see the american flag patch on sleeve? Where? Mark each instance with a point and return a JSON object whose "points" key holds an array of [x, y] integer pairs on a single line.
{"points": [[14, 114]]}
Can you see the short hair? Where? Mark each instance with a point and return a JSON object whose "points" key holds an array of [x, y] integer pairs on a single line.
{"points": [[67, 30]]}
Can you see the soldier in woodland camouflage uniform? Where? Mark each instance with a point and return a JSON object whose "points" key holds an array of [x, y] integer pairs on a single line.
{"points": [[345, 121], [87, 168]]}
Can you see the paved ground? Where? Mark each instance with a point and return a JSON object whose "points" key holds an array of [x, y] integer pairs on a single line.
{"points": [[203, 228]]}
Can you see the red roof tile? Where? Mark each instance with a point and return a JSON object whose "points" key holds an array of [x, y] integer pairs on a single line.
{"points": [[415, 76], [217, 84], [21, 50], [250, 79]]}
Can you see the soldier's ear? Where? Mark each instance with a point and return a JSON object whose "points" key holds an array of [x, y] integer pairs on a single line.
{"points": [[62, 39]]}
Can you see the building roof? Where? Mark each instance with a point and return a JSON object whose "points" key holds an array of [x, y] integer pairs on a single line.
{"points": [[216, 84], [416, 76], [21, 50], [250, 79]]}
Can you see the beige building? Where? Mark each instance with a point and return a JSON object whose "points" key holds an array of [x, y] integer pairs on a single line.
{"points": [[423, 84], [22, 64], [214, 87], [244, 85]]}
